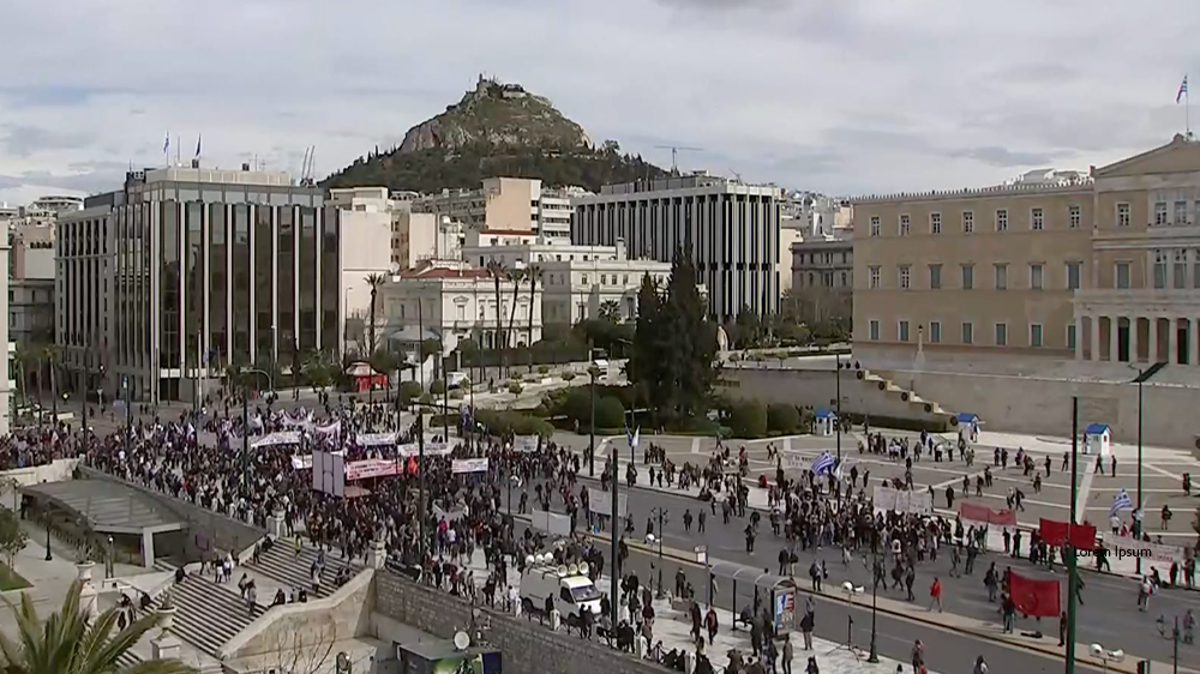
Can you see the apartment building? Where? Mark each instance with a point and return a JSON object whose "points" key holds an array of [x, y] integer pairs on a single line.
{"points": [[1102, 268], [31, 291], [185, 271], [366, 231], [517, 204], [732, 228], [822, 278]]}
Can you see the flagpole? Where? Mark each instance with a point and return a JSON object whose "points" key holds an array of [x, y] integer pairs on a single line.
{"points": [[1069, 548], [1187, 115]]}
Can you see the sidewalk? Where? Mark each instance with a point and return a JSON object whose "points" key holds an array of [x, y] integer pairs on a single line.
{"points": [[757, 500]]}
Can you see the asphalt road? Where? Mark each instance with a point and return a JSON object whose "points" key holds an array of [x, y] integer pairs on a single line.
{"points": [[1108, 615]]}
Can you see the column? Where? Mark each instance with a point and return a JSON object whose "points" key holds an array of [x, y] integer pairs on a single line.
{"points": [[1113, 339], [1152, 334], [148, 549], [1172, 340], [1080, 339], [1193, 343], [1095, 319], [1133, 340]]}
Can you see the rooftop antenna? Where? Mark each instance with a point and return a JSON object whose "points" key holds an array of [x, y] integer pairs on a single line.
{"points": [[675, 154]]}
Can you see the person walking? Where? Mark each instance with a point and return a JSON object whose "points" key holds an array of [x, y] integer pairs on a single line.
{"points": [[806, 628], [935, 594], [917, 657], [787, 655]]}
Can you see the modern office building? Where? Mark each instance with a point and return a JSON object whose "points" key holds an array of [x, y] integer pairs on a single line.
{"points": [[1102, 267], [732, 228], [184, 272], [518, 204]]}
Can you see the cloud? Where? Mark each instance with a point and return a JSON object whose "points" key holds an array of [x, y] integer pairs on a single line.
{"points": [[846, 97]]}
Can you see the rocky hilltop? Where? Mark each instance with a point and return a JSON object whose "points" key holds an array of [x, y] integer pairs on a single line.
{"points": [[497, 129], [499, 115]]}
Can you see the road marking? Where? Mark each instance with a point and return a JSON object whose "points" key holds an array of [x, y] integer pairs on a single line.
{"points": [[1165, 472], [787, 444], [1085, 488], [695, 445], [958, 480]]}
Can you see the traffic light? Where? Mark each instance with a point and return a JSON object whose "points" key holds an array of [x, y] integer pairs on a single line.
{"points": [[1143, 667]]}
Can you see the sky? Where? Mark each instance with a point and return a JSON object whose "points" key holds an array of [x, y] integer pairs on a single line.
{"points": [[846, 97]]}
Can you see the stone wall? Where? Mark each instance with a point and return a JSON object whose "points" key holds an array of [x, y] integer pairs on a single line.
{"points": [[1043, 406], [207, 530], [59, 470], [528, 647]]}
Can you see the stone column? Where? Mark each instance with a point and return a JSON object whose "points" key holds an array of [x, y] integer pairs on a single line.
{"points": [[1133, 340], [89, 599], [1114, 339], [276, 525], [1193, 343], [1080, 338], [1095, 319], [1172, 340], [377, 555], [1152, 347], [165, 647]]}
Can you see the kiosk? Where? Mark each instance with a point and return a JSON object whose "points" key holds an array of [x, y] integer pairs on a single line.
{"points": [[968, 427], [1097, 440], [825, 421]]}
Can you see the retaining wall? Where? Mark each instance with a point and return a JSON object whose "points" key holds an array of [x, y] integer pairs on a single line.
{"points": [[58, 470]]}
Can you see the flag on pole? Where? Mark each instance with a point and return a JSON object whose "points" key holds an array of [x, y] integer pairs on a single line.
{"points": [[198, 138], [1182, 90], [633, 437], [167, 143], [1120, 502], [823, 464]]}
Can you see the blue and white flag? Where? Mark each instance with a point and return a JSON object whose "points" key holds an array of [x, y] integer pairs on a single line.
{"points": [[823, 464], [1182, 90], [633, 437], [198, 138], [167, 143], [1120, 502]]}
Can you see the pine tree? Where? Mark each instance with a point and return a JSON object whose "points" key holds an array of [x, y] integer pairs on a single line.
{"points": [[646, 361], [693, 340]]}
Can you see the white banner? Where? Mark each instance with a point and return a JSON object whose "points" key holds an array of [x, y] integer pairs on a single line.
{"points": [[432, 449], [331, 429], [1128, 546], [369, 468], [600, 502], [903, 501], [329, 473], [552, 523], [375, 439], [277, 439], [525, 443], [459, 466], [302, 461], [794, 461]]}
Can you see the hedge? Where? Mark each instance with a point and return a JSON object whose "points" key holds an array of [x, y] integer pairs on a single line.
{"points": [[610, 413], [505, 422], [748, 419], [782, 418], [437, 387], [410, 390]]}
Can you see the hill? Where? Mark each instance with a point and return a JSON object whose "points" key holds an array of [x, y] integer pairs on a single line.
{"points": [[496, 129]]}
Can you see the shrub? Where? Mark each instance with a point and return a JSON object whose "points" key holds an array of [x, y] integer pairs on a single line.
{"points": [[456, 394], [506, 422], [515, 388], [748, 419], [410, 390], [426, 399], [610, 413], [782, 418], [532, 378], [543, 369], [437, 387], [568, 375]]}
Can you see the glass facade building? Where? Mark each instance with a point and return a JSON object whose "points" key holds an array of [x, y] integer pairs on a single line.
{"points": [[200, 270]]}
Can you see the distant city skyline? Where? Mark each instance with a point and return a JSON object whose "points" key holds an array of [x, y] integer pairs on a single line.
{"points": [[858, 96]]}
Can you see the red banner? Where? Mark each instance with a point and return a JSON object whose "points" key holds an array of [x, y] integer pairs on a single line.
{"points": [[1082, 536], [975, 512], [1037, 598]]}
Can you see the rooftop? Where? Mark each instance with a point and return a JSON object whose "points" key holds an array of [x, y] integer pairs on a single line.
{"points": [[108, 507]]}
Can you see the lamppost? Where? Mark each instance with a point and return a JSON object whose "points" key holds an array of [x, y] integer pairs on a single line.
{"points": [[661, 514], [1137, 517], [838, 404], [873, 657]]}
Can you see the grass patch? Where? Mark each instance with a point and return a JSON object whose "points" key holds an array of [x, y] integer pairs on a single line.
{"points": [[11, 580]]}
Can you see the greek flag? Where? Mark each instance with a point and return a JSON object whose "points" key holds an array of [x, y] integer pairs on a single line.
{"points": [[823, 464], [1182, 90], [167, 143], [1120, 502], [633, 437]]}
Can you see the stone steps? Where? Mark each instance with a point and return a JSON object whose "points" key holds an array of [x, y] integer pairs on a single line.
{"points": [[209, 614], [282, 565]]}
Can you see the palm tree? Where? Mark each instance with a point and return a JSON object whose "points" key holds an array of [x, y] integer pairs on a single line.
{"points": [[374, 282], [24, 358], [517, 276], [52, 356], [497, 270], [534, 272], [64, 643], [610, 310]]}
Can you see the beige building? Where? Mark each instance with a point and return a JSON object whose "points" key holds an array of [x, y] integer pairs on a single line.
{"points": [[516, 204], [822, 278], [1101, 268]]}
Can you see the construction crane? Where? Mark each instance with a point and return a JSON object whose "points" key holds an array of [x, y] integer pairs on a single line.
{"points": [[306, 167], [675, 154]]}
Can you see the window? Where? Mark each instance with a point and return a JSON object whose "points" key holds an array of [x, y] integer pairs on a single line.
{"points": [[968, 222], [585, 279], [905, 277], [1037, 219], [1121, 274], [968, 333], [1035, 335], [968, 276], [1001, 273], [875, 225], [1123, 216], [1075, 213], [935, 277], [1071, 336], [1179, 270], [902, 331], [935, 223], [1160, 269], [905, 225], [1181, 212], [1001, 334], [1001, 220], [935, 332], [873, 275], [460, 312], [1196, 268], [1160, 212], [874, 329], [1074, 271], [1035, 276]]}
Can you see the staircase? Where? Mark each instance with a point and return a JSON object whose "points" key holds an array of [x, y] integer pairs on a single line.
{"points": [[209, 614], [282, 565], [891, 389]]}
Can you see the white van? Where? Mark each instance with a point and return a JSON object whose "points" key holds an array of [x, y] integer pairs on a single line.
{"points": [[570, 587], [457, 380]]}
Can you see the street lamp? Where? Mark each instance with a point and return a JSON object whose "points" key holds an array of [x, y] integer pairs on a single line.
{"points": [[1137, 518], [873, 657]]}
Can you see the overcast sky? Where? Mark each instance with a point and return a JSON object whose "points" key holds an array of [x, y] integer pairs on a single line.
{"points": [[840, 96]]}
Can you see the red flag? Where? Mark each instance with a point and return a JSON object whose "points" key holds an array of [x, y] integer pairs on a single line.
{"points": [[1037, 598], [1082, 536], [975, 512], [1054, 533]]}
